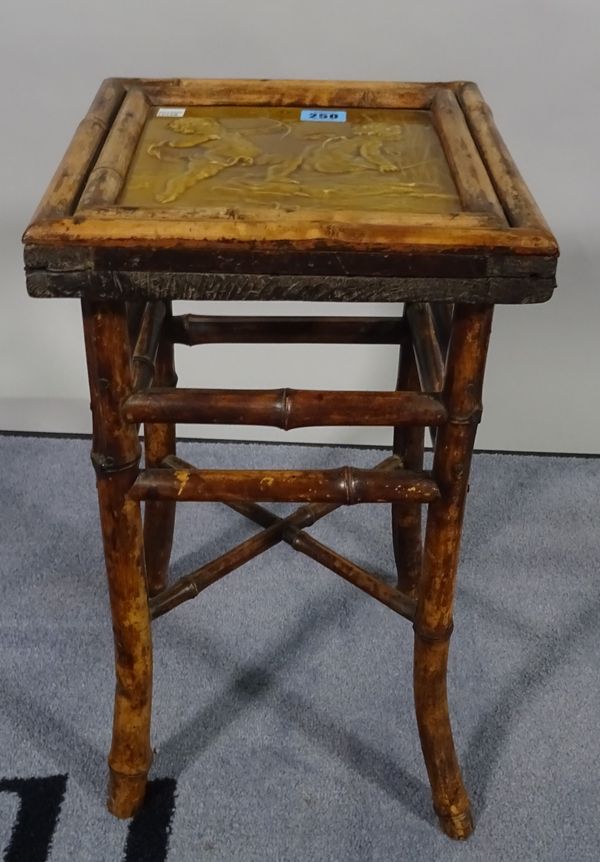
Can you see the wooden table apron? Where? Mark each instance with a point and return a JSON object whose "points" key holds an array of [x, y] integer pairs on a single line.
{"points": [[477, 241]]}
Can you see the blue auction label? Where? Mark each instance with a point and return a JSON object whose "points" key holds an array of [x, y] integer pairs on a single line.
{"points": [[323, 116]]}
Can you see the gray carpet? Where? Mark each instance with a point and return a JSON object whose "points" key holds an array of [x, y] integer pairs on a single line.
{"points": [[283, 708]]}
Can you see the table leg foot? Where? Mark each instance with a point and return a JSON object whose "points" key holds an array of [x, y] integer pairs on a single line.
{"points": [[450, 799], [125, 793], [457, 825]]}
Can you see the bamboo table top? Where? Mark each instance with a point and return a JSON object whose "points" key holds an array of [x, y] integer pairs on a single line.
{"points": [[302, 190]]}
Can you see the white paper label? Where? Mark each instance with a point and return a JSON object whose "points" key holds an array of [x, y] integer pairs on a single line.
{"points": [[170, 112], [323, 115]]}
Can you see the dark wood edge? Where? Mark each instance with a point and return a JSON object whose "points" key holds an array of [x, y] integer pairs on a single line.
{"points": [[287, 260], [239, 286]]}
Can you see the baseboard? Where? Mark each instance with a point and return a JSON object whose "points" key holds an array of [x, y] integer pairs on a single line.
{"points": [[54, 435]]}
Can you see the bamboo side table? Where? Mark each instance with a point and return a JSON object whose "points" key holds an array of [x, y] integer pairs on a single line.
{"points": [[295, 190]]}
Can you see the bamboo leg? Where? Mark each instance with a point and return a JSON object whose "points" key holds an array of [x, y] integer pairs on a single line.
{"points": [[134, 317], [115, 455], [433, 620], [408, 444], [159, 442]]}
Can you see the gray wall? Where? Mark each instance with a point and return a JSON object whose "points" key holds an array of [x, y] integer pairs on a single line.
{"points": [[538, 66]]}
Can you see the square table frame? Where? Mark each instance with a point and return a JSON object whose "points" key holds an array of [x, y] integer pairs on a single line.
{"points": [[127, 265]]}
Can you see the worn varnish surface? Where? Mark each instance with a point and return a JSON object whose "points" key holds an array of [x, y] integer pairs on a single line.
{"points": [[414, 172], [252, 158], [412, 197]]}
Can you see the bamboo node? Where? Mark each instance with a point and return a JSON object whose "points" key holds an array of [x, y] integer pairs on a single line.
{"points": [[286, 408], [349, 485], [297, 542], [107, 464], [472, 417], [433, 635]]}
